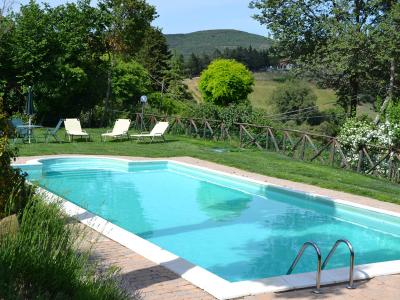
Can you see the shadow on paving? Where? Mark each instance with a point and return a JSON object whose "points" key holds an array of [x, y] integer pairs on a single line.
{"points": [[339, 291], [143, 278]]}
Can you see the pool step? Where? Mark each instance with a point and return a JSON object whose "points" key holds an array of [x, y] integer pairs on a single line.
{"points": [[321, 266]]}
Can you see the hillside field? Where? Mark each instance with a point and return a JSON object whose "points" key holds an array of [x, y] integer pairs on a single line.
{"points": [[265, 85]]}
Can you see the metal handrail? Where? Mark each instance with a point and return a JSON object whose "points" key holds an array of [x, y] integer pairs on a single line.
{"points": [[350, 246], [296, 260]]}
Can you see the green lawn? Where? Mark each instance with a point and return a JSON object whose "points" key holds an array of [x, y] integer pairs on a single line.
{"points": [[267, 163]]}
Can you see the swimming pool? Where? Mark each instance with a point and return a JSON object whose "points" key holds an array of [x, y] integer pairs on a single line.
{"points": [[236, 229]]}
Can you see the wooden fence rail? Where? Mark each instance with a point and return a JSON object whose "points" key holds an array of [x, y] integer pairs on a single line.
{"points": [[370, 159]]}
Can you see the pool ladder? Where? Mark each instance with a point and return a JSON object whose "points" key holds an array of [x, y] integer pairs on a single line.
{"points": [[321, 266]]}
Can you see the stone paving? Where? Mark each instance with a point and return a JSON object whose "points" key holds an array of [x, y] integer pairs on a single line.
{"points": [[142, 277], [379, 288], [138, 275], [150, 281]]}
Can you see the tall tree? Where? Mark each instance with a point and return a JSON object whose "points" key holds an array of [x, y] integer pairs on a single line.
{"points": [[126, 23], [5, 24], [154, 54], [386, 36], [193, 65], [326, 38]]}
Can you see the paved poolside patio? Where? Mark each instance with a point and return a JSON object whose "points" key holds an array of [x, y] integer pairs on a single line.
{"points": [[153, 281]]}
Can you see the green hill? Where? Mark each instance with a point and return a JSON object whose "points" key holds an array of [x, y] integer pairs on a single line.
{"points": [[207, 41]]}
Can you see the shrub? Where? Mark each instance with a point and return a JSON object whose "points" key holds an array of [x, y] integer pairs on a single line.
{"points": [[165, 104], [13, 191], [356, 133], [226, 82], [393, 113], [130, 81], [295, 99], [40, 260], [234, 113]]}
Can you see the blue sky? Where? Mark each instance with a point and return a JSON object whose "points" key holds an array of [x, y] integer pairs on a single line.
{"points": [[183, 16]]}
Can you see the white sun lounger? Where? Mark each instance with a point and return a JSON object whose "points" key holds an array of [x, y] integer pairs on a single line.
{"points": [[120, 129], [158, 131], [73, 128]]}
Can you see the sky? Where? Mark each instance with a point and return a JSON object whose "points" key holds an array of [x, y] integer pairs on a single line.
{"points": [[183, 16]]}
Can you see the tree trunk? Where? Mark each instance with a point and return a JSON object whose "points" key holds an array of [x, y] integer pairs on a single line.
{"points": [[109, 90], [389, 96], [354, 84]]}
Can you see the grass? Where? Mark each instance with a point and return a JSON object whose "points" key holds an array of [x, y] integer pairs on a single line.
{"points": [[266, 163], [266, 84], [40, 260], [263, 89]]}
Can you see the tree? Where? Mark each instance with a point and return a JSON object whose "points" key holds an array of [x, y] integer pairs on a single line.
{"points": [[294, 100], [193, 65], [130, 81], [5, 22], [225, 82], [386, 37], [329, 40], [126, 23], [154, 55], [58, 52], [174, 76]]}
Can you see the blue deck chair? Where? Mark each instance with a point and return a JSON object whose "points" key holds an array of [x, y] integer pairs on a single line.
{"points": [[53, 132], [19, 132]]}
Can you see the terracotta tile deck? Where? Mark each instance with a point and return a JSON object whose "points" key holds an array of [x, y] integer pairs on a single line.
{"points": [[152, 281]]}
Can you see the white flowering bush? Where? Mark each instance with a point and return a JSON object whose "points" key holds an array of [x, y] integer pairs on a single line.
{"points": [[356, 134]]}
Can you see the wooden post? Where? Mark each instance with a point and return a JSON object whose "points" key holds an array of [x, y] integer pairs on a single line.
{"points": [[332, 154], [303, 147], [360, 160], [284, 142], [240, 135]]}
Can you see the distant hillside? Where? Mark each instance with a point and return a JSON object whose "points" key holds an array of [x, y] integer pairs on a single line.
{"points": [[207, 41]]}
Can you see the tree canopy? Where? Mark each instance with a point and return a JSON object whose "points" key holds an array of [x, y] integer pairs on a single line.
{"points": [[225, 82], [350, 46], [79, 57]]}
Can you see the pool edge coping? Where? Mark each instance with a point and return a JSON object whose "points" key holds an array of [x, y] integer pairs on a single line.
{"points": [[204, 279]]}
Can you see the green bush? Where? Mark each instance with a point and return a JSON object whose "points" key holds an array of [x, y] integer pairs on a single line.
{"points": [[13, 191], [393, 112], [130, 81], [234, 113], [294, 99], [40, 260], [226, 82], [164, 104]]}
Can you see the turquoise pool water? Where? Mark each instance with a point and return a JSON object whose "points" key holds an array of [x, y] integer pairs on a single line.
{"points": [[236, 229]]}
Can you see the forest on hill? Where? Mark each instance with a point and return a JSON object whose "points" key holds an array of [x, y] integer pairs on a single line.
{"points": [[208, 41]]}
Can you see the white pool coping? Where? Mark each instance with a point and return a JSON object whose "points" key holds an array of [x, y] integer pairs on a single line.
{"points": [[204, 279]]}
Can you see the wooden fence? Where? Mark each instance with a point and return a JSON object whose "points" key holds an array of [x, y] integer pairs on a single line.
{"points": [[370, 159]]}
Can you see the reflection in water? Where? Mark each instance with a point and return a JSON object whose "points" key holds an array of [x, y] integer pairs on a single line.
{"points": [[220, 203], [111, 195]]}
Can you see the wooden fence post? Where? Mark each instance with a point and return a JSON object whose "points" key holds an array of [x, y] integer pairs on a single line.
{"points": [[240, 135], [360, 160]]}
